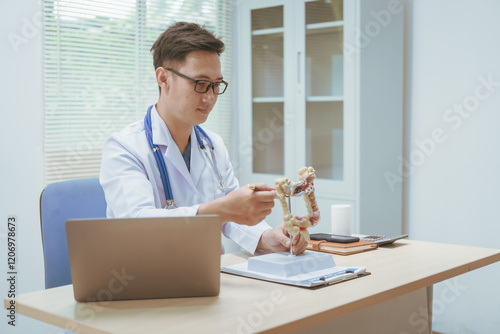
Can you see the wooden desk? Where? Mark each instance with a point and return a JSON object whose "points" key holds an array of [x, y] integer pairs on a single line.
{"points": [[247, 305]]}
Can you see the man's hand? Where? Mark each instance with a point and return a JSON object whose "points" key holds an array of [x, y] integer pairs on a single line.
{"points": [[278, 240], [243, 206]]}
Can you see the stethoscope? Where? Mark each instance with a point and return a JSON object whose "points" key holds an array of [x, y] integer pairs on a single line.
{"points": [[203, 142]]}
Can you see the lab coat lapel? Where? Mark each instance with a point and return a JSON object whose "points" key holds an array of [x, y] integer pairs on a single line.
{"points": [[161, 136], [175, 157], [198, 163]]}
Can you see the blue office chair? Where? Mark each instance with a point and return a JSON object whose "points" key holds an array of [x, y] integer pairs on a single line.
{"points": [[60, 201]]}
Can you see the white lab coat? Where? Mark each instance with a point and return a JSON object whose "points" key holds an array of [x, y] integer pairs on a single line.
{"points": [[132, 183]]}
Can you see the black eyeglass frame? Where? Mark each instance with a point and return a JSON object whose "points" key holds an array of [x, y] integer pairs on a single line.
{"points": [[212, 84]]}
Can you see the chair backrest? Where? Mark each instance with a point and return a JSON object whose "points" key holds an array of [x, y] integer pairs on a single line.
{"points": [[60, 201]]}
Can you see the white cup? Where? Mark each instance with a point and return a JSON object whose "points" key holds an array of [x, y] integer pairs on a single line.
{"points": [[341, 219]]}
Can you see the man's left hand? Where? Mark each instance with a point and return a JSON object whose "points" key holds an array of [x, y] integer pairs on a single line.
{"points": [[278, 240]]}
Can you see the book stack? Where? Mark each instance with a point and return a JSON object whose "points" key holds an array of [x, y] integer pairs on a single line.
{"points": [[341, 248]]}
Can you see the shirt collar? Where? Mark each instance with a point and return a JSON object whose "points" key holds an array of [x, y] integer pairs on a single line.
{"points": [[161, 135]]}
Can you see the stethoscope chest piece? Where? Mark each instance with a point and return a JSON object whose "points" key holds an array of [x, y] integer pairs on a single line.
{"points": [[170, 204]]}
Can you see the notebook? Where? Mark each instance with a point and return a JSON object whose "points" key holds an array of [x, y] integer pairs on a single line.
{"points": [[341, 248], [142, 258]]}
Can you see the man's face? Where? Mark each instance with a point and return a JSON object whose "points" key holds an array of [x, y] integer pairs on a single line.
{"points": [[183, 103]]}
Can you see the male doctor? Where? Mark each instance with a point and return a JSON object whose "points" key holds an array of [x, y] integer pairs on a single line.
{"points": [[188, 73]]}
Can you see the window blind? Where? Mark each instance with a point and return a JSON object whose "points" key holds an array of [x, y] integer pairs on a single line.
{"points": [[99, 74]]}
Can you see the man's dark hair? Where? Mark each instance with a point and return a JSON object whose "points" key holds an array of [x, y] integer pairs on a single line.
{"points": [[180, 39]]}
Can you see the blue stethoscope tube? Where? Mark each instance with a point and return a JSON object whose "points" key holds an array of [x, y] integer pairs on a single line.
{"points": [[161, 162]]}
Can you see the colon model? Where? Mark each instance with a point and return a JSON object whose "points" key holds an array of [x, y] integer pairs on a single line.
{"points": [[286, 189]]}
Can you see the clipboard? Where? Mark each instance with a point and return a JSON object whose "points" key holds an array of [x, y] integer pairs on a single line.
{"points": [[323, 277]]}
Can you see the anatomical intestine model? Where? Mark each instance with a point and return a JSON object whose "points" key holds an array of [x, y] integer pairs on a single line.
{"points": [[286, 189]]}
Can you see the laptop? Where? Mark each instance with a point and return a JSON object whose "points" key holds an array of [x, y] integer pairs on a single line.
{"points": [[143, 258]]}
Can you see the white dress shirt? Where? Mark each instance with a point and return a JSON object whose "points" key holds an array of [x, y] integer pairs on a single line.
{"points": [[133, 187]]}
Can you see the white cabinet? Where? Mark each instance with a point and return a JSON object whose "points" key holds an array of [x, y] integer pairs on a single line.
{"points": [[319, 85]]}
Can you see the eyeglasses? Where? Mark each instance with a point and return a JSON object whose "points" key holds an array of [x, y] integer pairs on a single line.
{"points": [[202, 86]]}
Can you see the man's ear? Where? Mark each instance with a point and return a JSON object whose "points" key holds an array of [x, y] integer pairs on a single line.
{"points": [[162, 78]]}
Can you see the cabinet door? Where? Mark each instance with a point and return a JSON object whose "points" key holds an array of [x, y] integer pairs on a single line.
{"points": [[324, 88], [267, 53], [328, 127], [262, 90]]}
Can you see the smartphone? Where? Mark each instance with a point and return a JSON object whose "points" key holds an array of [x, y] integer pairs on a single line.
{"points": [[344, 239]]}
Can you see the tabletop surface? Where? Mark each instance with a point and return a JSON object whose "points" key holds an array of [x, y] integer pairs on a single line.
{"points": [[246, 304]]}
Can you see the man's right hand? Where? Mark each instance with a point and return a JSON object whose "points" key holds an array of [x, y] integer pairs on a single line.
{"points": [[243, 206]]}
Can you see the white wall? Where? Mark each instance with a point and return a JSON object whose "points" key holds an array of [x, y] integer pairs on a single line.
{"points": [[21, 148], [453, 195]]}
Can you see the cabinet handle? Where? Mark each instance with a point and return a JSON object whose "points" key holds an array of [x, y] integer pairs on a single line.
{"points": [[298, 67]]}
